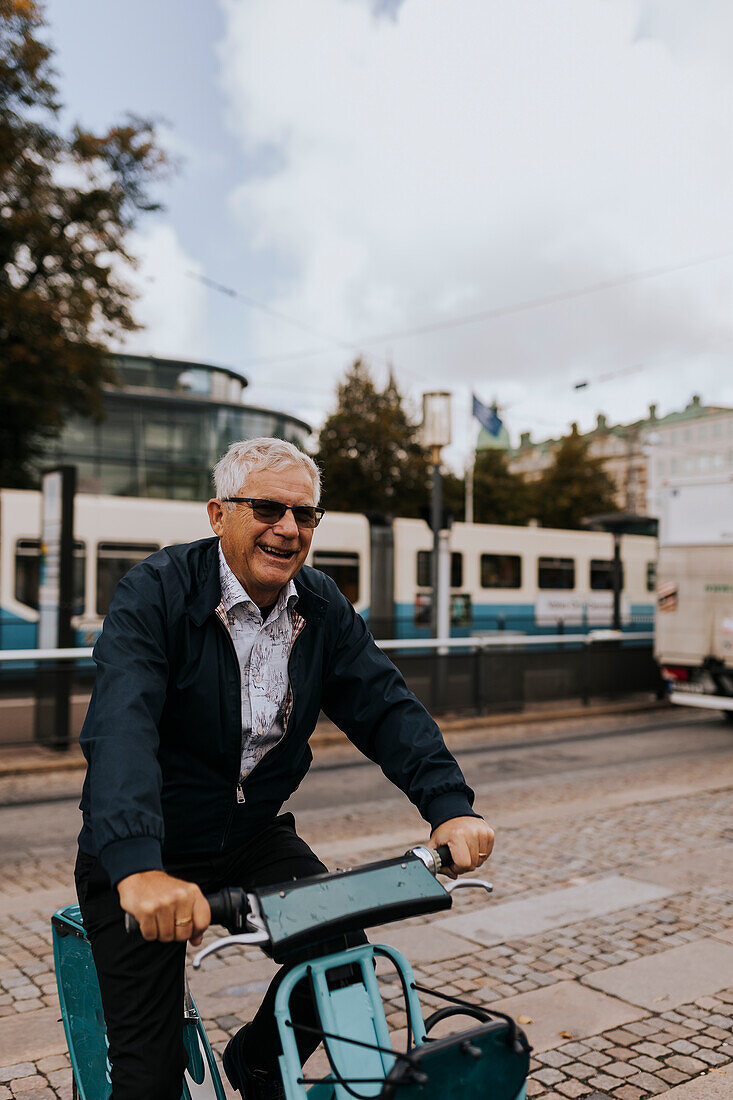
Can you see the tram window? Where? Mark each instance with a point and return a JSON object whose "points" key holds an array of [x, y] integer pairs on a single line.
{"points": [[343, 568], [27, 573], [424, 567], [114, 559], [601, 575], [556, 573], [501, 571], [651, 574]]}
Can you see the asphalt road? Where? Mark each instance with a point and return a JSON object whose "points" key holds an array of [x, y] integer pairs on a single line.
{"points": [[522, 765]]}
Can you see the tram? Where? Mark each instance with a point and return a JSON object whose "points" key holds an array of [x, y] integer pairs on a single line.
{"points": [[522, 579]]}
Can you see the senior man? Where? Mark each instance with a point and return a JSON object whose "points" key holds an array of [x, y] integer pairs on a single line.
{"points": [[215, 660]]}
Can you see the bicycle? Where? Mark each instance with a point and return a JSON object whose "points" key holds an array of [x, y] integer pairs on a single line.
{"points": [[490, 1060]]}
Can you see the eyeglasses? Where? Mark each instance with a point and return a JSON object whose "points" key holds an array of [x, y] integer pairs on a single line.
{"points": [[271, 511]]}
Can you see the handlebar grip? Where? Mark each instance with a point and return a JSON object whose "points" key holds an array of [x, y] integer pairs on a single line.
{"points": [[443, 853], [228, 907]]}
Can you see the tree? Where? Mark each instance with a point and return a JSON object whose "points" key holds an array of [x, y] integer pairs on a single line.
{"points": [[369, 451], [500, 496], [67, 204], [574, 486]]}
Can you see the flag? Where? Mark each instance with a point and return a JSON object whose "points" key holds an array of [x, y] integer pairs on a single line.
{"points": [[487, 417]]}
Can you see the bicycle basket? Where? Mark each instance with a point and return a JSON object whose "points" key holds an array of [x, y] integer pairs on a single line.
{"points": [[472, 1065]]}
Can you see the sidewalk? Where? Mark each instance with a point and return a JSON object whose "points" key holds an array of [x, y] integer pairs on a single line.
{"points": [[609, 937]]}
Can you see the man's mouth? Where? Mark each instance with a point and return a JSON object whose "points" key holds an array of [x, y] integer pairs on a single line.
{"points": [[276, 552]]}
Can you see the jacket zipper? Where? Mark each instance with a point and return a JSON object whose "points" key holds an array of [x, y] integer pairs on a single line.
{"points": [[240, 794]]}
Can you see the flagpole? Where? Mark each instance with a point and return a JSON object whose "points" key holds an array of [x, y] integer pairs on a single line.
{"points": [[469, 488]]}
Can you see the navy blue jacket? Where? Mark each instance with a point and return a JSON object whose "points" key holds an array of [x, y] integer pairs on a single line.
{"points": [[163, 732]]}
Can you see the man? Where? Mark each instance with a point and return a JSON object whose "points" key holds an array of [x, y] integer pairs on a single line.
{"points": [[215, 660]]}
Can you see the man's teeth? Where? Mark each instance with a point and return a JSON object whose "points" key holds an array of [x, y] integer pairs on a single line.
{"points": [[277, 553]]}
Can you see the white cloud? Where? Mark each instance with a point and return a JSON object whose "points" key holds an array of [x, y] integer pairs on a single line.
{"points": [[172, 306], [456, 157]]}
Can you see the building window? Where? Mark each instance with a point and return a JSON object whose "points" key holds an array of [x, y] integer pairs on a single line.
{"points": [[424, 575], [343, 568], [114, 559], [27, 573], [651, 576], [558, 573], [501, 571], [601, 575]]}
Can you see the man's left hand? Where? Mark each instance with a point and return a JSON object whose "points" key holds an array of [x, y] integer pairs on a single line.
{"points": [[470, 841]]}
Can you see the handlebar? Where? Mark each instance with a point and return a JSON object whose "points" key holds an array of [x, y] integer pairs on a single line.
{"points": [[230, 906]]}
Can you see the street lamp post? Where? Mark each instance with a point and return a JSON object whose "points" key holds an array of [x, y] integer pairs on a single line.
{"points": [[436, 434]]}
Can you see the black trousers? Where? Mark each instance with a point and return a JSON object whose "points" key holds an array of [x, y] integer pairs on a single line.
{"points": [[142, 982]]}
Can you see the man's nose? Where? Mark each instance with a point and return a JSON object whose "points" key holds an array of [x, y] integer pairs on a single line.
{"points": [[286, 527]]}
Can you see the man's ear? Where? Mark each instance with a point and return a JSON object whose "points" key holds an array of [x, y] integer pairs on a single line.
{"points": [[215, 509]]}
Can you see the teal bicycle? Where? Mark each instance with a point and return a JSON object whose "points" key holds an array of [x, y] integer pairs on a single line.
{"points": [[487, 1061]]}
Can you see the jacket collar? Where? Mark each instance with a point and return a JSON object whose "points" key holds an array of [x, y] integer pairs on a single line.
{"points": [[207, 594]]}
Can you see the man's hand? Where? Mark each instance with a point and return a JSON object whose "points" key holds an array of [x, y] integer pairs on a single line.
{"points": [[166, 908], [470, 841]]}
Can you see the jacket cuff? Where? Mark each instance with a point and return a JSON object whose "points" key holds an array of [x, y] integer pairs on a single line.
{"points": [[130, 856], [447, 806]]}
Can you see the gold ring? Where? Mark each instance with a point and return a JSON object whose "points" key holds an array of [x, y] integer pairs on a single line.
{"points": [[178, 923], [483, 855]]}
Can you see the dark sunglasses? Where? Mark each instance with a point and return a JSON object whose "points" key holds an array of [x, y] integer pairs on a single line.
{"points": [[271, 511]]}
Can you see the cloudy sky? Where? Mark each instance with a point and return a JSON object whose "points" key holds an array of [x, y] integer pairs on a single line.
{"points": [[499, 196]]}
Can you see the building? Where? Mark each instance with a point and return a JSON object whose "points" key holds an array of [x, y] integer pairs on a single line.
{"points": [[688, 446], [164, 425], [620, 446], [637, 455]]}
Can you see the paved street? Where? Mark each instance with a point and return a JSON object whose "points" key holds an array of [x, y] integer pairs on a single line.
{"points": [[610, 933]]}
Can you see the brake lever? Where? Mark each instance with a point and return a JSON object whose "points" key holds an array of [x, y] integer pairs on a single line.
{"points": [[468, 883], [227, 941]]}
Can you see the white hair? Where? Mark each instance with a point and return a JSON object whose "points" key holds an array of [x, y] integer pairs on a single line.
{"points": [[264, 453]]}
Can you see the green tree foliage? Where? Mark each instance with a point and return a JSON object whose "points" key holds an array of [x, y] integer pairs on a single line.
{"points": [[67, 203], [574, 486], [369, 451], [500, 496]]}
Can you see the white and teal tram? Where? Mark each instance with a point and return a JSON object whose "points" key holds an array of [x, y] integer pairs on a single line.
{"points": [[526, 580]]}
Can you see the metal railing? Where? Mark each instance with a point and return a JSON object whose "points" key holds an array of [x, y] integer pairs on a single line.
{"points": [[477, 675], [488, 641]]}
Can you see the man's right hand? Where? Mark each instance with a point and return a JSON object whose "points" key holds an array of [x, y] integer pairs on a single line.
{"points": [[166, 908]]}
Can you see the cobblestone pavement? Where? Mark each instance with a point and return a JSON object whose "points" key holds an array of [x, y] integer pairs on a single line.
{"points": [[556, 837]]}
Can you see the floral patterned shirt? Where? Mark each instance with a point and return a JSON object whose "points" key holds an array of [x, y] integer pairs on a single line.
{"points": [[263, 650]]}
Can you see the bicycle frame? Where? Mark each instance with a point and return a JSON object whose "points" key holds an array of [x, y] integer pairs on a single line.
{"points": [[353, 1025]]}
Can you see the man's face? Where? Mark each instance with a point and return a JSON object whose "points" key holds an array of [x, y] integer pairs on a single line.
{"points": [[264, 556]]}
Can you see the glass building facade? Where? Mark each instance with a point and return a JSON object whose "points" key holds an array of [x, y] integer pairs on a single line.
{"points": [[165, 425]]}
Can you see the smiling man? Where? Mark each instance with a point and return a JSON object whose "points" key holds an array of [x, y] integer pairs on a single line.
{"points": [[214, 663]]}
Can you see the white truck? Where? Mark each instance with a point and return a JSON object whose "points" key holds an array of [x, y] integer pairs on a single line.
{"points": [[694, 622]]}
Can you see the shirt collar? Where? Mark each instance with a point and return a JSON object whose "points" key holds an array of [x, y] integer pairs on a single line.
{"points": [[233, 592]]}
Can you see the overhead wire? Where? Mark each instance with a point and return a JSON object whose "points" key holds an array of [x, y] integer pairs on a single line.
{"points": [[477, 317]]}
